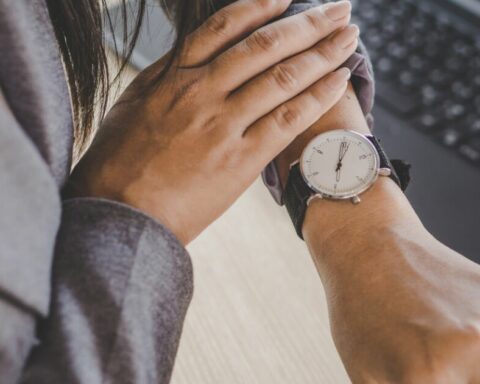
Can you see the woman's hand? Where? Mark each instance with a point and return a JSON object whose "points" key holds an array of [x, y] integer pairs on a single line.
{"points": [[186, 151]]}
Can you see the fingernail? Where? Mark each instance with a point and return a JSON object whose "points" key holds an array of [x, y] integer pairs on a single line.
{"points": [[339, 78], [347, 36], [337, 11]]}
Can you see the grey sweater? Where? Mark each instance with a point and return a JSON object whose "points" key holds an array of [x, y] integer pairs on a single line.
{"points": [[91, 291]]}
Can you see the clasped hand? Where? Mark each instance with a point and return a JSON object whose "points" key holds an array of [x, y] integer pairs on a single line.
{"points": [[186, 151]]}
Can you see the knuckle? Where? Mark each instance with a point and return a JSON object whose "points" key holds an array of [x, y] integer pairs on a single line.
{"points": [[287, 118], [220, 23], [315, 96], [212, 124], [326, 53], [284, 76], [265, 39], [472, 332], [426, 375], [229, 158], [186, 92], [314, 20], [233, 160], [268, 4]]}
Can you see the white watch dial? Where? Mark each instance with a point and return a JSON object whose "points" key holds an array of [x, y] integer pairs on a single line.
{"points": [[340, 164]]}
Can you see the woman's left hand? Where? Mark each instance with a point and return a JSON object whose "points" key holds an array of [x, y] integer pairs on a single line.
{"points": [[184, 152]]}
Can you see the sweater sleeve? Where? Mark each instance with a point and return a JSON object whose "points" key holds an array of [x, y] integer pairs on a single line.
{"points": [[91, 292], [122, 284]]}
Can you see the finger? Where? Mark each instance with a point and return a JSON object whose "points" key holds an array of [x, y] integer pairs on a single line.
{"points": [[276, 42], [272, 134], [228, 26], [287, 79]]}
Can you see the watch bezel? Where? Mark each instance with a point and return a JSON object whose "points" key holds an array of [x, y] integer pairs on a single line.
{"points": [[365, 188]]}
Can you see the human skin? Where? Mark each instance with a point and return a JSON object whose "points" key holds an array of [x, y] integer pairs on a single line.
{"points": [[185, 152], [403, 307]]}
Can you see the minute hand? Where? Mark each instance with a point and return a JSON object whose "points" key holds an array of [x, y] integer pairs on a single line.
{"points": [[340, 154], [344, 150]]}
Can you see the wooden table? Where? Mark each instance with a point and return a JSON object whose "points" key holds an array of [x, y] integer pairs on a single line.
{"points": [[259, 313]]}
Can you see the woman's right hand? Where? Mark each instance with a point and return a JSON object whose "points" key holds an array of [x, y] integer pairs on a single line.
{"points": [[236, 97]]}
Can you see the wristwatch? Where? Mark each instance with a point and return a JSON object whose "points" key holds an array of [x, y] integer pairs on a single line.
{"points": [[338, 165]]}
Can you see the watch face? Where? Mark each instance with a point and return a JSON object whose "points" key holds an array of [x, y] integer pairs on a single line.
{"points": [[340, 164]]}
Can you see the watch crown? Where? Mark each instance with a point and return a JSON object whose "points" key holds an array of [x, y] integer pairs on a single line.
{"points": [[356, 200], [385, 172]]}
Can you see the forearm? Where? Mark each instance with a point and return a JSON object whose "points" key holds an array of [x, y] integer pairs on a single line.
{"points": [[402, 306]]}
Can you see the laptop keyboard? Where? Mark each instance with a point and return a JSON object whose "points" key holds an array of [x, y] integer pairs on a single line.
{"points": [[427, 72]]}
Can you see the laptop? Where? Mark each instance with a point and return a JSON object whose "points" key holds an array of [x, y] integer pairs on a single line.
{"points": [[426, 55]]}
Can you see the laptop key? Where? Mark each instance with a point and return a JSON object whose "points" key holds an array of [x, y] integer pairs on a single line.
{"points": [[462, 90], [454, 64], [418, 64], [453, 111], [408, 80], [450, 137], [471, 150], [428, 122], [430, 95], [385, 68], [470, 124], [397, 51]]}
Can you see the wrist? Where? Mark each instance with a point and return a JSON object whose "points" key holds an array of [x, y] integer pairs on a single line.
{"points": [[335, 231], [89, 182]]}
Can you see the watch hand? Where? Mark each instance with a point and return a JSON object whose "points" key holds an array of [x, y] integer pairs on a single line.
{"points": [[340, 155], [339, 172], [344, 152]]}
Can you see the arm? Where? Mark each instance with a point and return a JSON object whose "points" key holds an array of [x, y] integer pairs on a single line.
{"points": [[403, 307], [122, 282]]}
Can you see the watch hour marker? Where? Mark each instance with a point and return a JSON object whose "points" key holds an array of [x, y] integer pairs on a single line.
{"points": [[318, 151], [361, 179]]}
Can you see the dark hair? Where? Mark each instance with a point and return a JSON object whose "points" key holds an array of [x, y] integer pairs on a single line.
{"points": [[80, 27]]}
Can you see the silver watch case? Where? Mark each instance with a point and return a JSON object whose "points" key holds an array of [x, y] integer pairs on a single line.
{"points": [[354, 197]]}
